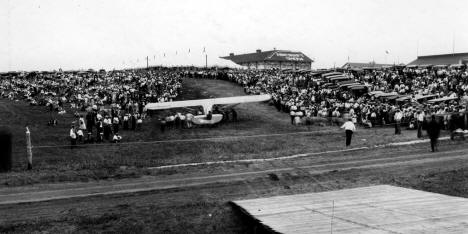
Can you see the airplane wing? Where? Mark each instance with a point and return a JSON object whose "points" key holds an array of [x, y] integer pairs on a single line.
{"points": [[207, 104], [229, 106]]}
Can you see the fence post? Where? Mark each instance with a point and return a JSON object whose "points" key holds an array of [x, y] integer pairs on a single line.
{"points": [[29, 148]]}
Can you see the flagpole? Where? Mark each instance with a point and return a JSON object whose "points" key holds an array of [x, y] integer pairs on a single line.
{"points": [[453, 43]]}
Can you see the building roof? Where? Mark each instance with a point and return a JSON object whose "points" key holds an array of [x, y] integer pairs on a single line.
{"points": [[440, 59], [363, 65], [272, 55]]}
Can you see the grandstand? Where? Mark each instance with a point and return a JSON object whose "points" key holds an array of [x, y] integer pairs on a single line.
{"points": [[441, 59], [273, 59]]}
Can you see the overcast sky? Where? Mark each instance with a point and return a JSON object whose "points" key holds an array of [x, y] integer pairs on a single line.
{"points": [[47, 35]]}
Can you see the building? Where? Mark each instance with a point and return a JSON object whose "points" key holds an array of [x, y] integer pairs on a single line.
{"points": [[370, 65], [273, 59], [441, 59]]}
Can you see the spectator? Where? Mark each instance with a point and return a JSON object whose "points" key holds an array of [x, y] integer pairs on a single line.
{"points": [[433, 130], [72, 137], [349, 128]]}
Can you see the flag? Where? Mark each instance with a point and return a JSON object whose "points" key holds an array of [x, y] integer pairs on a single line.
{"points": [[204, 50], [387, 52], [176, 52], [164, 55], [189, 50]]}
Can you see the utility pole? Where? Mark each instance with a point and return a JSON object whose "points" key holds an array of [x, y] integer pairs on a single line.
{"points": [[206, 60], [146, 62], [28, 147]]}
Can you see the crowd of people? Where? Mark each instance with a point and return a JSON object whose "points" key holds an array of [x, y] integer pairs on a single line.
{"points": [[179, 120], [306, 94], [102, 102]]}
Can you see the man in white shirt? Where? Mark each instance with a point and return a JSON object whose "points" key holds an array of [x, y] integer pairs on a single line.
{"points": [[80, 135], [72, 137], [349, 129], [398, 116], [420, 120]]}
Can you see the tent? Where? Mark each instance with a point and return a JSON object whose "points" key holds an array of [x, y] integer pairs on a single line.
{"points": [[224, 63], [349, 84], [403, 98], [443, 99], [426, 97], [331, 74]]}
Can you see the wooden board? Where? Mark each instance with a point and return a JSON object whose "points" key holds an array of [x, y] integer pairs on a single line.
{"points": [[375, 209]]}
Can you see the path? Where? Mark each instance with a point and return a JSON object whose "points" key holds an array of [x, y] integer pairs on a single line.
{"points": [[47, 192]]}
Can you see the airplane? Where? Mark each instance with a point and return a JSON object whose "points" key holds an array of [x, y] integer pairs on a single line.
{"points": [[207, 105]]}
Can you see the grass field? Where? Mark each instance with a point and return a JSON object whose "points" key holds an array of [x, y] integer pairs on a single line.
{"points": [[139, 151], [206, 208]]}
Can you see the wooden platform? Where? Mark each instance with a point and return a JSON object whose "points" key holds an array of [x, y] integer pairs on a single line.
{"points": [[376, 209]]}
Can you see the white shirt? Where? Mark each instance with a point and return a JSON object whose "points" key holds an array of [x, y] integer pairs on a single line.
{"points": [[421, 117], [72, 133], [107, 121], [348, 125], [398, 116]]}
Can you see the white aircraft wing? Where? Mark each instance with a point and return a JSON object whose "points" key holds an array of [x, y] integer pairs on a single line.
{"points": [[207, 104]]}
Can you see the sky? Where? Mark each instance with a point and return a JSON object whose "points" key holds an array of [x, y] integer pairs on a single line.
{"points": [[114, 34]]}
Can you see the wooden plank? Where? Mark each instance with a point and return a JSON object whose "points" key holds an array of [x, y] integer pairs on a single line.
{"points": [[374, 209]]}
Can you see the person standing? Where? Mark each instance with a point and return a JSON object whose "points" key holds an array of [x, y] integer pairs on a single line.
{"points": [[107, 122], [133, 120], [433, 130], [115, 124], [398, 117], [188, 119], [125, 122], [420, 120], [349, 128], [72, 137]]}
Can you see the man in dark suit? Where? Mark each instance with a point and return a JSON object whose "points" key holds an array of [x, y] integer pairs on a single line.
{"points": [[433, 130]]}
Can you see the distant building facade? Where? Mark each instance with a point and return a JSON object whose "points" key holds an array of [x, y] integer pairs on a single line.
{"points": [[441, 59], [370, 65], [273, 59]]}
